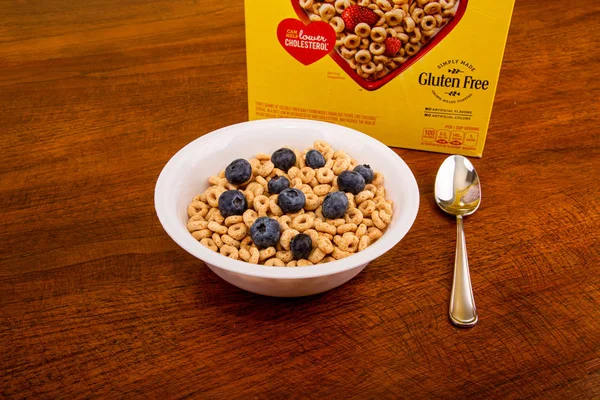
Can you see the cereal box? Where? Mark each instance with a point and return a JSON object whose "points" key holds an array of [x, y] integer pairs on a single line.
{"points": [[417, 74]]}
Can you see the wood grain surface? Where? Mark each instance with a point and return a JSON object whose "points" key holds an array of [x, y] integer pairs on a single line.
{"points": [[96, 301]]}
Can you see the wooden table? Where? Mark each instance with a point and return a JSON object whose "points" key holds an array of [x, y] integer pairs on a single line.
{"points": [[97, 301]]}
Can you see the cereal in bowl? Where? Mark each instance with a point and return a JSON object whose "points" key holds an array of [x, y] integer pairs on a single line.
{"points": [[376, 37], [291, 208]]}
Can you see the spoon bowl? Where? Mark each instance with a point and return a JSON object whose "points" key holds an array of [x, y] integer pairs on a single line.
{"points": [[458, 193]]}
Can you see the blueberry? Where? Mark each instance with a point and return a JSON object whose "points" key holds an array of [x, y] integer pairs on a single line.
{"points": [[314, 159], [265, 232], [239, 171], [291, 200], [301, 246], [335, 205], [232, 202], [366, 172], [277, 184], [283, 159], [350, 181]]}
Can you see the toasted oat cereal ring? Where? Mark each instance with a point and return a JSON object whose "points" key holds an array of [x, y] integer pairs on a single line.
{"points": [[306, 189], [249, 196], [228, 240], [368, 69], [391, 65], [286, 238], [344, 228], [265, 169], [304, 263], [254, 163], [303, 222], [377, 221], [351, 201], [321, 190], [417, 15], [321, 226], [209, 243], [217, 228], [384, 206], [374, 233], [267, 253], [285, 256], [363, 30], [338, 254], [341, 5], [439, 19], [327, 11], [316, 255], [229, 251], [338, 24], [244, 254], [322, 146], [377, 179], [416, 38], [447, 4], [409, 24], [349, 242], [306, 4], [197, 208], [249, 217], [261, 205], [212, 195], [217, 239], [325, 175], [432, 8], [292, 263], [293, 172], [361, 230], [237, 231], [315, 18], [314, 235], [327, 259], [216, 181], [342, 164], [262, 182], [385, 217], [428, 23], [423, 2], [216, 217], [324, 244], [306, 174], [275, 262], [254, 255], [364, 242], [354, 216], [256, 188], [312, 202], [284, 222], [361, 73], [368, 222], [296, 183], [352, 41], [384, 5], [378, 35], [448, 14], [196, 223], [201, 234], [274, 208], [364, 44], [377, 48], [363, 196], [233, 219], [329, 163], [394, 17]]}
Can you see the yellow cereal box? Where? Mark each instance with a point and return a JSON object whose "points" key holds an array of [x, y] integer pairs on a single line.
{"points": [[418, 74]]}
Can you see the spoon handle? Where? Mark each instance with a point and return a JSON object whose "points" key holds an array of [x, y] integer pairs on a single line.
{"points": [[462, 304]]}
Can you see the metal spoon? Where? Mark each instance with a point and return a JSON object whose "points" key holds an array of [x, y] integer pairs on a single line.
{"points": [[458, 192]]}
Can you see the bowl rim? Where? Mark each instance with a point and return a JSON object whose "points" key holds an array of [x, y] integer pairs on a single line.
{"points": [[390, 238]]}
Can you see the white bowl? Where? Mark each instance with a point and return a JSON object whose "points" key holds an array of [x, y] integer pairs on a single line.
{"points": [[185, 176]]}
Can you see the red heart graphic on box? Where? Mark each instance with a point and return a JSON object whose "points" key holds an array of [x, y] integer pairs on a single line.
{"points": [[306, 43], [457, 8]]}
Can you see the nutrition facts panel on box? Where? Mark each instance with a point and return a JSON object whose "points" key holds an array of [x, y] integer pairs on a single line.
{"points": [[451, 136]]}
